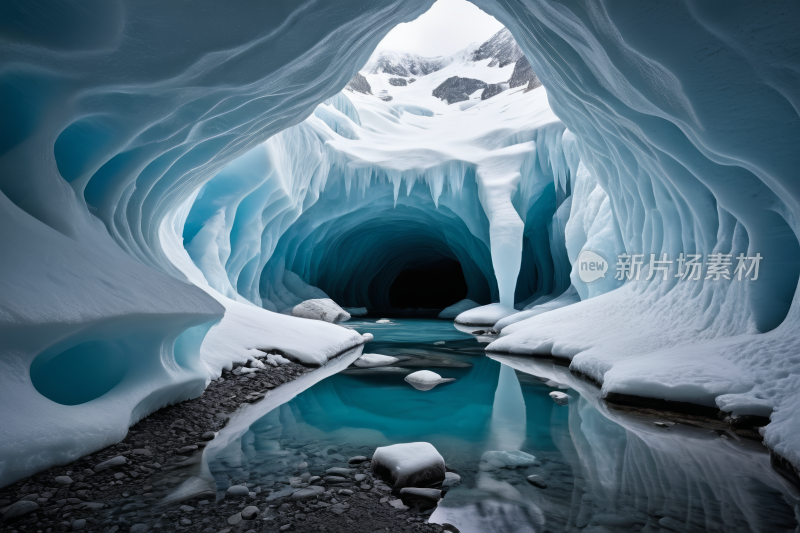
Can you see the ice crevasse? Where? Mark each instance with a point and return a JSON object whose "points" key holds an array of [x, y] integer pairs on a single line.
{"points": [[145, 216]]}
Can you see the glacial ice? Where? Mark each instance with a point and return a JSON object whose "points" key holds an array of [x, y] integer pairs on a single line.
{"points": [[457, 308], [159, 206], [425, 380]]}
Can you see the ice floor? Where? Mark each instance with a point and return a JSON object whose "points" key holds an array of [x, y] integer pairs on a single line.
{"points": [[605, 472]]}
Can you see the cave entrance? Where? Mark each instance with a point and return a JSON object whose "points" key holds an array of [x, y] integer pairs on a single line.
{"points": [[431, 286]]}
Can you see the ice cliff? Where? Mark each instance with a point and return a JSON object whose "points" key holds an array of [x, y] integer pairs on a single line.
{"points": [[148, 226]]}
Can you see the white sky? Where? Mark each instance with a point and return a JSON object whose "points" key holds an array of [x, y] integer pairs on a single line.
{"points": [[446, 28]]}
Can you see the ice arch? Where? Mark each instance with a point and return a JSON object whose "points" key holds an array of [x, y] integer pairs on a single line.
{"points": [[686, 120]]}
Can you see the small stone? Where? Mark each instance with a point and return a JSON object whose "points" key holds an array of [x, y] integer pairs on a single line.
{"points": [[21, 508], [537, 481], [187, 449], [119, 475], [344, 472], [63, 480], [250, 512], [302, 466], [398, 504], [303, 495], [140, 528], [142, 451], [114, 461], [235, 519], [360, 477], [345, 492], [186, 522], [339, 508], [31, 497], [208, 435], [451, 479], [238, 491], [357, 460], [187, 508], [334, 480], [285, 527], [314, 479]]}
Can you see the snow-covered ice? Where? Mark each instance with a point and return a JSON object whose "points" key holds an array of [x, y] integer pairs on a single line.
{"points": [[458, 308], [425, 379], [413, 464], [323, 309], [371, 360]]}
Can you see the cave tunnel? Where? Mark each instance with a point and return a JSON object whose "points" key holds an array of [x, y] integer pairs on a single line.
{"points": [[434, 285]]}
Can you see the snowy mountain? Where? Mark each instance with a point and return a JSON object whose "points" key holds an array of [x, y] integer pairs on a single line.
{"points": [[501, 48], [457, 89], [404, 64], [524, 74]]}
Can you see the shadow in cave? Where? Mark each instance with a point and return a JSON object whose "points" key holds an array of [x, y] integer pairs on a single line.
{"points": [[431, 286]]}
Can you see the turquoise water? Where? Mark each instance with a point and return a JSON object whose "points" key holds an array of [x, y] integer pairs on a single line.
{"points": [[605, 471]]}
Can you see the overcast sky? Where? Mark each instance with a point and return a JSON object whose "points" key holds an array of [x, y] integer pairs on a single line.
{"points": [[446, 28]]}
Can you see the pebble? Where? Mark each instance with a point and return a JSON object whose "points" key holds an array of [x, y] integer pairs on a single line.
{"points": [[360, 477], [187, 449], [334, 480], [344, 472], [140, 528], [537, 481], [314, 479], [238, 491], [357, 460], [250, 513], [285, 527], [235, 519], [451, 479], [302, 466], [187, 508], [114, 461], [303, 495], [345, 492], [186, 522], [208, 435], [21, 508], [63, 480]]}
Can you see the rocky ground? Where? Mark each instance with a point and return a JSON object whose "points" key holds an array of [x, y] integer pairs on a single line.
{"points": [[136, 485]]}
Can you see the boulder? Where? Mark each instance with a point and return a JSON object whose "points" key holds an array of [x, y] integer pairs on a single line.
{"points": [[323, 309], [420, 499], [413, 464], [238, 491], [20, 509]]}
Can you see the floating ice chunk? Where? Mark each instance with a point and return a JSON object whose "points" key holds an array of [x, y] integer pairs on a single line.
{"points": [[438, 343], [323, 309], [426, 380], [412, 464], [458, 308], [486, 315], [356, 311], [370, 360], [367, 337], [493, 460], [383, 321], [560, 398]]}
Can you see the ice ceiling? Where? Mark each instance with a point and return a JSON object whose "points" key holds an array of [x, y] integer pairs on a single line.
{"points": [[124, 122]]}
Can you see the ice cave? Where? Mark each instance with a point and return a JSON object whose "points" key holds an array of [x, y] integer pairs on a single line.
{"points": [[513, 266]]}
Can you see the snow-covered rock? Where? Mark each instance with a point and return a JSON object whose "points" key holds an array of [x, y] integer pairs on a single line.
{"points": [[325, 310], [501, 48], [414, 464], [425, 379], [559, 397], [458, 308], [486, 315], [371, 360]]}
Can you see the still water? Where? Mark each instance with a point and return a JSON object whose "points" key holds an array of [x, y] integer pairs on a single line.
{"points": [[605, 471]]}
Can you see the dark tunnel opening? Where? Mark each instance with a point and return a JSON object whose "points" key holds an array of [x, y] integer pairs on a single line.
{"points": [[431, 286]]}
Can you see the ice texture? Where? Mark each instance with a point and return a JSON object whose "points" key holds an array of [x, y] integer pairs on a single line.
{"points": [[145, 193], [458, 308], [413, 464]]}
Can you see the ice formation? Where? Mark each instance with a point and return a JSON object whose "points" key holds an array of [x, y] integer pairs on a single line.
{"points": [[425, 379], [158, 208]]}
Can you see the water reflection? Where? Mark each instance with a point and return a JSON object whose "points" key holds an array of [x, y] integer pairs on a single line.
{"points": [[605, 471]]}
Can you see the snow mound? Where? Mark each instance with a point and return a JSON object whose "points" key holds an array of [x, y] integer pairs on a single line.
{"points": [[486, 315], [323, 309], [458, 308], [414, 464]]}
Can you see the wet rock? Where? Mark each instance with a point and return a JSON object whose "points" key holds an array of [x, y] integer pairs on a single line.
{"points": [[140, 528], [111, 463], [451, 479], [142, 451], [20, 509], [334, 480], [237, 491], [63, 480], [360, 477], [235, 519], [345, 492], [185, 522], [250, 512], [304, 495], [187, 508], [357, 460], [537, 481], [398, 504], [344, 472], [314, 479], [208, 435], [420, 499]]}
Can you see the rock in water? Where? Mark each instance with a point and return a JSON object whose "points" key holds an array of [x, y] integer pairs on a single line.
{"points": [[560, 398], [420, 499], [323, 309], [537, 481], [493, 460], [383, 321], [451, 479], [238, 491], [371, 360], [425, 379], [413, 464]]}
